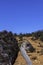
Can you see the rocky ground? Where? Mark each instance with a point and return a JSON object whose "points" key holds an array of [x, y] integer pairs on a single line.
{"points": [[36, 57]]}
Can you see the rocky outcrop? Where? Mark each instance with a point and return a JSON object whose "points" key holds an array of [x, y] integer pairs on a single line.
{"points": [[8, 48]]}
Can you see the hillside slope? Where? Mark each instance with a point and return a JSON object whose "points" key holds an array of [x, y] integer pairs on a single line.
{"points": [[36, 57]]}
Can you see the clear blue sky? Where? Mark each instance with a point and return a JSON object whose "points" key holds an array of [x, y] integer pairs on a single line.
{"points": [[21, 15]]}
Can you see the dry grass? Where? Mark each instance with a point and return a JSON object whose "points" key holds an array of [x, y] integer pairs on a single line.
{"points": [[36, 58]]}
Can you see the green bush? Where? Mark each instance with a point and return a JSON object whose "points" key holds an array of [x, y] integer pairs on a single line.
{"points": [[8, 48], [41, 37]]}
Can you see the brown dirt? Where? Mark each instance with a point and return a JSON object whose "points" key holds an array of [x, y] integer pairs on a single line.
{"points": [[36, 57]]}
